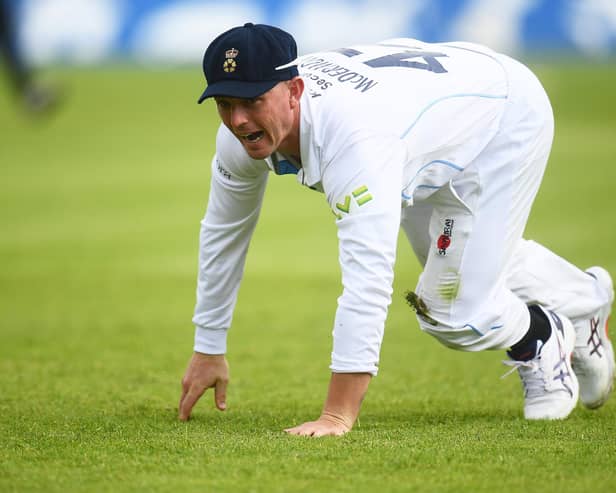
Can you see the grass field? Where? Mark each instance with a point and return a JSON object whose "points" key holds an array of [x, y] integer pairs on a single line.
{"points": [[100, 207]]}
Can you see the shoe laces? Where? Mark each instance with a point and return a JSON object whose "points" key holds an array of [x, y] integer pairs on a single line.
{"points": [[531, 373], [515, 364], [536, 379]]}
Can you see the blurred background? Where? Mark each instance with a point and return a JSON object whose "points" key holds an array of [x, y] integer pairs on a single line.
{"points": [[176, 31], [164, 34]]}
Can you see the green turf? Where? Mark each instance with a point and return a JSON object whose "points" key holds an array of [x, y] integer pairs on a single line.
{"points": [[100, 207]]}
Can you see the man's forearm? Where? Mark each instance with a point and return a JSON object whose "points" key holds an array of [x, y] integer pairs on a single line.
{"points": [[344, 398]]}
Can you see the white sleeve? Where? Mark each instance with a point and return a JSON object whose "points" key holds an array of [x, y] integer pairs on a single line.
{"points": [[235, 199], [363, 190]]}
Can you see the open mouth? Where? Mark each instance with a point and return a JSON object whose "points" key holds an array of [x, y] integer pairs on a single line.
{"points": [[254, 137]]}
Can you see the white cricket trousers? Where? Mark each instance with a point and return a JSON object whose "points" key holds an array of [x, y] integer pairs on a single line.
{"points": [[479, 273]]}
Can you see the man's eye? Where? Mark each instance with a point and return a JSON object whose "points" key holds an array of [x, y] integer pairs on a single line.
{"points": [[222, 104]]}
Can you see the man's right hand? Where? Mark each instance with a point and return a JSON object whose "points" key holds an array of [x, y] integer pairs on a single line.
{"points": [[204, 371]]}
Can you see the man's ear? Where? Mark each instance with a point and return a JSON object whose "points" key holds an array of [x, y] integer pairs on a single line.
{"points": [[296, 89]]}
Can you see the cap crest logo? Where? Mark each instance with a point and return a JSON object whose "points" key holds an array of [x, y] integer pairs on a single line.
{"points": [[230, 64]]}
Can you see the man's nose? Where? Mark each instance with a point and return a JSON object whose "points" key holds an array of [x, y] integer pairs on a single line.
{"points": [[238, 116]]}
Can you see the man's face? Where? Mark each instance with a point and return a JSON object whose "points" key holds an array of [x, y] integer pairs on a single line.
{"points": [[262, 124]]}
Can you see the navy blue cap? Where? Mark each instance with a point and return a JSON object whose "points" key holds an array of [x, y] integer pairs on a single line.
{"points": [[242, 62]]}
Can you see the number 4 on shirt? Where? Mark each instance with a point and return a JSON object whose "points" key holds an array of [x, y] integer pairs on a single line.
{"points": [[401, 59]]}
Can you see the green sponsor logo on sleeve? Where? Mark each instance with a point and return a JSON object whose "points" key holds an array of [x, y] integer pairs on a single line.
{"points": [[360, 196], [346, 206]]}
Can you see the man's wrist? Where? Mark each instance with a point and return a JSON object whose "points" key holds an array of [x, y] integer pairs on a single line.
{"points": [[338, 419], [345, 396], [210, 341]]}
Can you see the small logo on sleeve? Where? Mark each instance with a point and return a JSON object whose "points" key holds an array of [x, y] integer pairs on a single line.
{"points": [[222, 170]]}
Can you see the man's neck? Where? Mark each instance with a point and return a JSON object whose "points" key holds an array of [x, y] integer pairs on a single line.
{"points": [[291, 145], [293, 159]]}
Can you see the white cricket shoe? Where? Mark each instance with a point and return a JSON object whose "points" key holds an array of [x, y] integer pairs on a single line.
{"points": [[593, 355], [551, 388]]}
